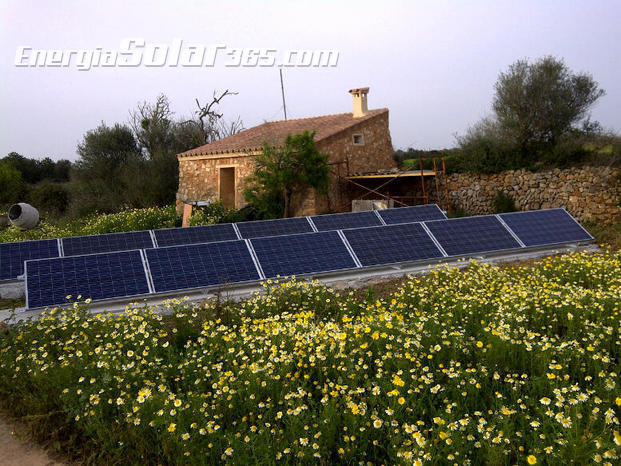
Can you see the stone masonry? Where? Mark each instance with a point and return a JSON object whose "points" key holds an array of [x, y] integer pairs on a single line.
{"points": [[588, 193]]}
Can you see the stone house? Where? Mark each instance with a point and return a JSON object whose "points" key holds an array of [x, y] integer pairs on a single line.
{"points": [[355, 142]]}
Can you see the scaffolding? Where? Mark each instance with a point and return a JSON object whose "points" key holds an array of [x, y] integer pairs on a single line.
{"points": [[437, 172]]}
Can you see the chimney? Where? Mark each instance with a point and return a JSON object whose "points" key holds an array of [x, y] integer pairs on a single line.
{"points": [[360, 101]]}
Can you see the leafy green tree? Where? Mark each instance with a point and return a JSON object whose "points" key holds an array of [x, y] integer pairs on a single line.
{"points": [[13, 187], [33, 170], [537, 106], [284, 171], [104, 152], [537, 103]]}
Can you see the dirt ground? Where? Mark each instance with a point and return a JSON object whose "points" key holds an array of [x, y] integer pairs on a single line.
{"points": [[17, 451]]}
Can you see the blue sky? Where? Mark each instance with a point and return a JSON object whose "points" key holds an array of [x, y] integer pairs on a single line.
{"points": [[432, 63]]}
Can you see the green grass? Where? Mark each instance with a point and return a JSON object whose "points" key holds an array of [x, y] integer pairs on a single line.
{"points": [[488, 365]]}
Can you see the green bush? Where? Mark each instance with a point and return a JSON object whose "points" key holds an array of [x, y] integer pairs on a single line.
{"points": [[503, 202], [51, 198], [131, 220], [213, 213]]}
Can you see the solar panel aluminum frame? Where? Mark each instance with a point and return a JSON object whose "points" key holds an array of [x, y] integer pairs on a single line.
{"points": [[516, 237], [153, 239], [349, 248], [209, 287], [474, 254], [433, 238], [312, 224], [255, 259], [147, 270], [380, 217], [560, 243], [105, 300], [239, 236]]}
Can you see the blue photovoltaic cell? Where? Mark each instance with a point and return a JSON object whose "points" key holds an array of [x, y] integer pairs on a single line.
{"points": [[550, 226], [301, 254], [419, 213], [346, 220], [193, 235], [95, 276], [111, 242], [461, 236], [392, 244], [13, 255], [200, 265], [281, 226]]}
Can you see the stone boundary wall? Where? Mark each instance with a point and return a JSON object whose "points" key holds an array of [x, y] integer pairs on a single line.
{"points": [[588, 193]]}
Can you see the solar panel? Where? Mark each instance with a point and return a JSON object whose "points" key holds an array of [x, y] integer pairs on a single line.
{"points": [[342, 221], [392, 244], [192, 235], [200, 265], [96, 276], [303, 253], [110, 242], [418, 213], [13, 255], [551, 226], [461, 236], [281, 226]]}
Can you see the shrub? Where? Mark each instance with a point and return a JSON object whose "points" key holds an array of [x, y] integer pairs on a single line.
{"points": [[503, 202], [52, 198], [213, 213]]}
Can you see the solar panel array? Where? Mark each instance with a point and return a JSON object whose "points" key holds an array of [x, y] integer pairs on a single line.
{"points": [[367, 218], [92, 244], [95, 276], [201, 265], [216, 256], [468, 235], [540, 227], [392, 244], [13, 255], [302, 253], [419, 213], [278, 227], [192, 235]]}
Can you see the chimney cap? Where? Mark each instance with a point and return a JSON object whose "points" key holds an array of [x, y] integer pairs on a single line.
{"points": [[360, 90]]}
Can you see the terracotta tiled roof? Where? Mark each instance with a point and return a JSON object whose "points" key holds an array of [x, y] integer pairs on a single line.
{"points": [[275, 133]]}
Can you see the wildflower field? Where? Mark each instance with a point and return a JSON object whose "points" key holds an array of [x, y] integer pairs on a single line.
{"points": [[488, 365]]}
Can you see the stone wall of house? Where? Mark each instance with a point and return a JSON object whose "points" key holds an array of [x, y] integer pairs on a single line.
{"points": [[199, 177], [587, 193], [376, 153]]}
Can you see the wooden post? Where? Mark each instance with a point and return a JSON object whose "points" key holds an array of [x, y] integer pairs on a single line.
{"points": [[435, 175], [187, 213], [422, 179], [448, 204]]}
